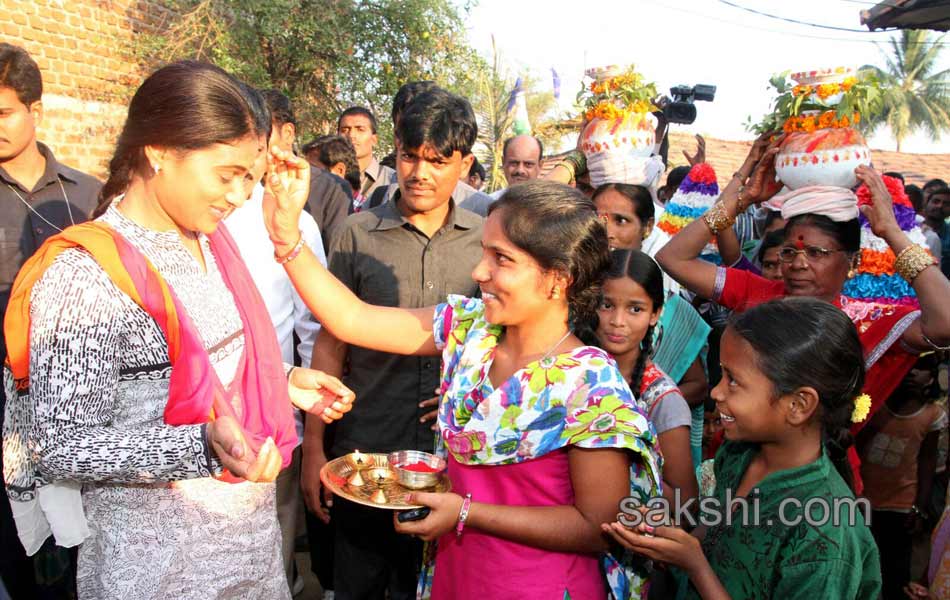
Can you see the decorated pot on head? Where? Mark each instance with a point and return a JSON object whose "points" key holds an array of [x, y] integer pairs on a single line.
{"points": [[620, 139], [819, 114], [874, 286], [821, 149], [696, 194]]}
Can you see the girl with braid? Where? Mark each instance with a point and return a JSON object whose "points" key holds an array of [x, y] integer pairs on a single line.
{"points": [[626, 318]]}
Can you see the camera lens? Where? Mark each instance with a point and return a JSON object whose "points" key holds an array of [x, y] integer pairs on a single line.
{"points": [[680, 112]]}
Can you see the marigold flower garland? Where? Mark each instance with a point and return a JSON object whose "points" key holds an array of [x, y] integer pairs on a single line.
{"points": [[825, 90], [618, 97], [826, 120]]}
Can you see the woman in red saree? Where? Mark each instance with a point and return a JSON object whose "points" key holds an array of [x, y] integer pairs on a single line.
{"points": [[822, 242]]}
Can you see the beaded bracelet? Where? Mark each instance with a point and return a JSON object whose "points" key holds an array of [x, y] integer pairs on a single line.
{"points": [[717, 218], [463, 514], [912, 260], [294, 253]]}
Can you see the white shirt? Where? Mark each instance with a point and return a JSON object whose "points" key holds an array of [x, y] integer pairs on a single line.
{"points": [[287, 310]]}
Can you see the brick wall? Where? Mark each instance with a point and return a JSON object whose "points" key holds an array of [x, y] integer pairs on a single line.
{"points": [[85, 50]]}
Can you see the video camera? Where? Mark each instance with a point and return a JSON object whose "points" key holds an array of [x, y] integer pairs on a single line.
{"points": [[681, 108]]}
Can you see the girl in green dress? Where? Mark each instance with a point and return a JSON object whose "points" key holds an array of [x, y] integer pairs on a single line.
{"points": [[782, 522]]}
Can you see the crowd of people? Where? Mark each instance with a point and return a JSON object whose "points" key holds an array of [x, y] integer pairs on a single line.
{"points": [[187, 345]]}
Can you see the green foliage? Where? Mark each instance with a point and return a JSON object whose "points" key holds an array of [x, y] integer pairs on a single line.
{"points": [[865, 97], [325, 54], [916, 96], [490, 101]]}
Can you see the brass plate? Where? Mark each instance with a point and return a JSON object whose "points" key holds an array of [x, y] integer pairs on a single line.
{"points": [[336, 476]]}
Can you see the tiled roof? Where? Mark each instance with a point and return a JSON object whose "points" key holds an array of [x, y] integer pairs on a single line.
{"points": [[907, 14], [727, 156]]}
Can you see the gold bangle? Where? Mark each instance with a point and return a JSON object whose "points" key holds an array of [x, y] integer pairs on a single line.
{"points": [[717, 218], [569, 166], [912, 260]]}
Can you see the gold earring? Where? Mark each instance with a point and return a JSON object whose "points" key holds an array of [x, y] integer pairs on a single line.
{"points": [[556, 294], [647, 233]]}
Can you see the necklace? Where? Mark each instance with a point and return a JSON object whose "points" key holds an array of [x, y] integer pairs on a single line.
{"points": [[554, 347], [37, 213]]}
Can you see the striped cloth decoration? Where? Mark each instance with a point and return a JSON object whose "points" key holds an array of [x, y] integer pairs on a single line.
{"points": [[695, 195], [875, 283]]}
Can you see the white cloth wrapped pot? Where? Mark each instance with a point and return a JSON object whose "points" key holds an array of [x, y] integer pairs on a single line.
{"points": [[621, 150]]}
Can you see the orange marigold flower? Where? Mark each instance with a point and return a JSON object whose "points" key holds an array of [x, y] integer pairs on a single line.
{"points": [[826, 90], [826, 120], [844, 122]]}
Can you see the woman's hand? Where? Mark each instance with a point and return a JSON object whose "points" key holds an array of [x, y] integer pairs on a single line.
{"points": [[319, 394], [762, 183], [670, 545], [445, 509], [227, 440], [916, 591], [286, 188], [880, 213]]}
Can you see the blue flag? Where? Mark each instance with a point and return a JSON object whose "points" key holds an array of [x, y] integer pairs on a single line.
{"points": [[557, 84], [514, 95]]}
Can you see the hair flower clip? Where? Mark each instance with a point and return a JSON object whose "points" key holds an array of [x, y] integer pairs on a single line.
{"points": [[862, 406]]}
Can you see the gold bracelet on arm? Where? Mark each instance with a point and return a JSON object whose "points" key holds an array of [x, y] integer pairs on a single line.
{"points": [[912, 260], [718, 218]]}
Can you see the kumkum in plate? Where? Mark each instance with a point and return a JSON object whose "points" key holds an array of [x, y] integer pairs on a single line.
{"points": [[375, 485]]}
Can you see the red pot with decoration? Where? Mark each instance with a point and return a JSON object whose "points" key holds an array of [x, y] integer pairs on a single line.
{"points": [[821, 148]]}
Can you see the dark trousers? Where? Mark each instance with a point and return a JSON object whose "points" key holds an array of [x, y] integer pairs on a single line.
{"points": [[370, 558], [320, 538], [894, 542]]}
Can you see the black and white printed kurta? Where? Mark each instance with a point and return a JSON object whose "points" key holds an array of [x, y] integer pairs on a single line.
{"points": [[99, 376]]}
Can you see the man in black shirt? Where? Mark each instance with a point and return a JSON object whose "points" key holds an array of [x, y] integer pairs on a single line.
{"points": [[410, 252], [39, 197]]}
